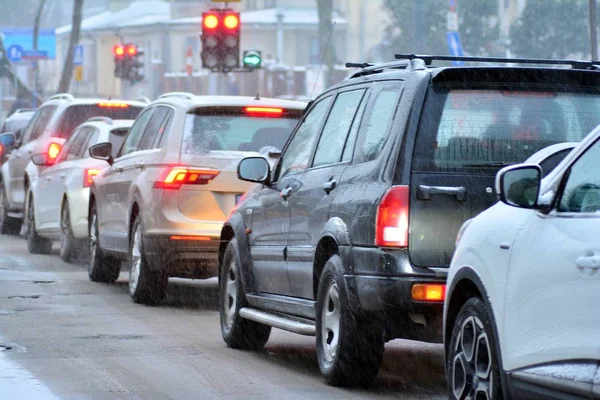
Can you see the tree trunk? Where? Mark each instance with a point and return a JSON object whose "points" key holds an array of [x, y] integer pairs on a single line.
{"points": [[7, 71], [67, 73], [36, 33], [326, 47]]}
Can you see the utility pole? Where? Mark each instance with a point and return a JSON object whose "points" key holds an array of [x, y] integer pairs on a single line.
{"points": [[593, 30], [280, 17]]}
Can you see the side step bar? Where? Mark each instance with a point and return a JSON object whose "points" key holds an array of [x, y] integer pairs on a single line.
{"points": [[278, 322]]}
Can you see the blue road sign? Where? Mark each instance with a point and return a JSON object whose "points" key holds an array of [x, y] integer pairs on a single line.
{"points": [[14, 53], [23, 37], [78, 55], [452, 4], [35, 54], [455, 46]]}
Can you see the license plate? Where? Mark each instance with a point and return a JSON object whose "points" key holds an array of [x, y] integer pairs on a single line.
{"points": [[237, 198]]}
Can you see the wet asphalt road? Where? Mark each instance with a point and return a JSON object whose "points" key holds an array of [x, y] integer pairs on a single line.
{"points": [[64, 337]]}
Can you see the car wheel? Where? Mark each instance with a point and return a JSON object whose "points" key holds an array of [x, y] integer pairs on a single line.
{"points": [[8, 225], [101, 267], [349, 349], [35, 243], [145, 286], [472, 362], [237, 332], [70, 247]]}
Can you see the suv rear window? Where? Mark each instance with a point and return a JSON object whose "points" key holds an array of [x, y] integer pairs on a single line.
{"points": [[233, 130], [75, 115], [468, 129]]}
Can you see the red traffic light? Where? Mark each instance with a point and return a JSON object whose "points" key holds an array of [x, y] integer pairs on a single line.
{"points": [[231, 21], [131, 50], [211, 21], [118, 50]]}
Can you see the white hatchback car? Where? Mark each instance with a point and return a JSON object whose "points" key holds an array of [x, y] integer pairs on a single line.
{"points": [[521, 315], [58, 198]]}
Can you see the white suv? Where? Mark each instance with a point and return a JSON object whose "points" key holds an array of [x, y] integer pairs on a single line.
{"points": [[521, 316], [58, 199]]}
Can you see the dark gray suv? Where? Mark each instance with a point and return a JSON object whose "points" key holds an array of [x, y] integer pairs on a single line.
{"points": [[349, 238]]}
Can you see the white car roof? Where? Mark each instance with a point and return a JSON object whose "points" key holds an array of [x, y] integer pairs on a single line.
{"points": [[194, 101]]}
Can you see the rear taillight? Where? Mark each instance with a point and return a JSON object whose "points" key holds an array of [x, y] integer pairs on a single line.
{"points": [[88, 176], [176, 176], [428, 292], [391, 229], [53, 151], [1, 150], [264, 111]]}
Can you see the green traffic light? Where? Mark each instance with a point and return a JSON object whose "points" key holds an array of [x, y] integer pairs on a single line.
{"points": [[252, 60]]}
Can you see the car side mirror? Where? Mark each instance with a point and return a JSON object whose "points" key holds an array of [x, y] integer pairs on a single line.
{"points": [[102, 151], [8, 140], [519, 185], [42, 160], [254, 169]]}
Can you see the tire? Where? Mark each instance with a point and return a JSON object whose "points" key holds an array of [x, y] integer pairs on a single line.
{"points": [[101, 267], [8, 225], [70, 248], [35, 243], [472, 346], [145, 286], [352, 355], [237, 332]]}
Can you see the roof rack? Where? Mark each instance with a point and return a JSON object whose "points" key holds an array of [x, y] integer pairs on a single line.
{"points": [[143, 99], [65, 96], [108, 120], [575, 64], [186, 95], [367, 68]]}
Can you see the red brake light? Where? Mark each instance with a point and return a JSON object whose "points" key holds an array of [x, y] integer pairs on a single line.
{"points": [[113, 105], [1, 149], [231, 21], [118, 50], [194, 238], [264, 111], [88, 175], [53, 151], [177, 176], [391, 229], [211, 21]]}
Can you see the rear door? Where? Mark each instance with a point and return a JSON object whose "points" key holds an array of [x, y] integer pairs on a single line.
{"points": [[310, 203], [465, 137]]}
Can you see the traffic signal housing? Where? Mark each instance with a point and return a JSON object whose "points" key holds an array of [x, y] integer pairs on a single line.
{"points": [[119, 56], [252, 59], [129, 62], [220, 40]]}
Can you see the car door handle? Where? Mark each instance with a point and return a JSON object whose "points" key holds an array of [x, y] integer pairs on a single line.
{"points": [[17, 155], [285, 193], [588, 262], [140, 165], [119, 168], [48, 178], [63, 176], [330, 185], [425, 192]]}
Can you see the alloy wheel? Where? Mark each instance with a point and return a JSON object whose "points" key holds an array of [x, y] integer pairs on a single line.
{"points": [[472, 362], [136, 260], [231, 292], [331, 322]]}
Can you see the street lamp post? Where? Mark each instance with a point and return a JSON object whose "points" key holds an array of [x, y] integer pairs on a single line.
{"points": [[280, 16], [593, 30]]}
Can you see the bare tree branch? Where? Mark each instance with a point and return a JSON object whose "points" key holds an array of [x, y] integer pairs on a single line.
{"points": [[326, 47], [7, 71], [67, 73]]}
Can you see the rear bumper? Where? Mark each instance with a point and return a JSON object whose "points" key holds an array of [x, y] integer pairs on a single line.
{"points": [[386, 297], [182, 258]]}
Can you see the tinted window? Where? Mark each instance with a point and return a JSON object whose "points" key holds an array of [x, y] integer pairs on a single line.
{"points": [[78, 146], [152, 129], [376, 127], [38, 124], [552, 162], [135, 133], [117, 137], [350, 143], [298, 152], [64, 152], [468, 129], [163, 132], [582, 189], [78, 114], [331, 145], [235, 132]]}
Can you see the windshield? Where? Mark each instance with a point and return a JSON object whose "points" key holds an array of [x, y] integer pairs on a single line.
{"points": [[206, 133], [77, 114]]}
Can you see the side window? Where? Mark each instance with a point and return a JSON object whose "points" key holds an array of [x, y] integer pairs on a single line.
{"points": [[78, 146], [92, 140], [376, 126], [38, 123], [135, 133], [163, 132], [298, 152], [64, 152], [335, 131], [151, 131], [582, 189], [349, 146]]}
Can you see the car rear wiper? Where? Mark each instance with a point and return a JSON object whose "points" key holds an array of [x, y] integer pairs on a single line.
{"points": [[488, 165]]}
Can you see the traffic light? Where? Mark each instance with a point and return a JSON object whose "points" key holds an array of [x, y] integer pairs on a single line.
{"points": [[220, 40], [252, 59], [119, 55]]}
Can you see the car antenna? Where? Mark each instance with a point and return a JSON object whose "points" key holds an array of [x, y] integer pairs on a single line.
{"points": [[327, 47], [257, 96]]}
